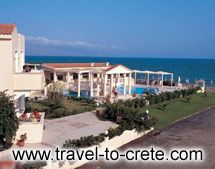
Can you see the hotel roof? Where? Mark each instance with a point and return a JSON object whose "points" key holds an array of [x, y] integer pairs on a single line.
{"points": [[7, 29], [75, 65]]}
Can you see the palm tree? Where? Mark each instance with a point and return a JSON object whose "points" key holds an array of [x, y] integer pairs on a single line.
{"points": [[55, 91]]}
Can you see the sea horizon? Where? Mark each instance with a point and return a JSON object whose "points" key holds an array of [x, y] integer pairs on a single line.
{"points": [[189, 69], [147, 57]]}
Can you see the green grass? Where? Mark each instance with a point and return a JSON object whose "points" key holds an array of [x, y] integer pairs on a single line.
{"points": [[69, 107], [80, 107], [179, 108]]}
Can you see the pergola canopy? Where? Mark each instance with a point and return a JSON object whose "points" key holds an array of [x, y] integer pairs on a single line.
{"points": [[148, 73], [152, 72]]}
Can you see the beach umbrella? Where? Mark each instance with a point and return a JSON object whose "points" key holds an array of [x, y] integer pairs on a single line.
{"points": [[179, 79]]}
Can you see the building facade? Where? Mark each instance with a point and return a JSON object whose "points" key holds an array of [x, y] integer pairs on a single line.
{"points": [[95, 79], [12, 54], [12, 61]]}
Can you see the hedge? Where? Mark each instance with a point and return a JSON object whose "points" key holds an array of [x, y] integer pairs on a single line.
{"points": [[129, 116]]}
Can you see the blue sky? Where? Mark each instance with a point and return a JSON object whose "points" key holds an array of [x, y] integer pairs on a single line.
{"points": [[143, 28]]}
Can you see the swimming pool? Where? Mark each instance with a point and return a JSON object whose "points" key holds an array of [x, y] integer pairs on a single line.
{"points": [[139, 90], [83, 93], [134, 90]]}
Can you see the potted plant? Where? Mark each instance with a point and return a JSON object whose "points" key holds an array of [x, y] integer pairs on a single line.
{"points": [[23, 117], [33, 118], [100, 111], [135, 95], [21, 141]]}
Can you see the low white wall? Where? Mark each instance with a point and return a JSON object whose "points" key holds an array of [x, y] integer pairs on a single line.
{"points": [[29, 81], [114, 143], [34, 130]]}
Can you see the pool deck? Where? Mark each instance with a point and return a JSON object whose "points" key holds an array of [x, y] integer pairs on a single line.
{"points": [[58, 130]]}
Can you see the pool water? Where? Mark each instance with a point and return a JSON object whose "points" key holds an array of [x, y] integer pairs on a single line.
{"points": [[139, 90], [83, 93], [134, 90]]}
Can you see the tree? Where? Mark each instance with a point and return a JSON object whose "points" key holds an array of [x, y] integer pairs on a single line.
{"points": [[55, 91], [162, 106], [188, 99], [8, 120]]}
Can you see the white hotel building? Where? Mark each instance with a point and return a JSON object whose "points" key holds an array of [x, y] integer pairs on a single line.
{"points": [[12, 60], [98, 79]]}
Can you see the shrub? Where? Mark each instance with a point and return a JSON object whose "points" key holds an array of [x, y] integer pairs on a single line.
{"points": [[112, 132], [144, 122], [158, 98], [82, 99], [8, 120], [91, 140], [177, 93], [170, 95], [188, 99], [59, 112], [85, 141], [205, 94], [34, 165], [162, 106]]}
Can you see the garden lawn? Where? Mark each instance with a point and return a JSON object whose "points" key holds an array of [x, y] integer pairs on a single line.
{"points": [[179, 108], [77, 106], [71, 107]]}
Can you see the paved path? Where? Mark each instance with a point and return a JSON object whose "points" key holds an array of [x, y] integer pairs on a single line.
{"points": [[70, 127], [196, 131], [73, 127]]}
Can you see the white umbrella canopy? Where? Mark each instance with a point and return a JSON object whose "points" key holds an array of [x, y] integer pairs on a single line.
{"points": [[179, 79]]}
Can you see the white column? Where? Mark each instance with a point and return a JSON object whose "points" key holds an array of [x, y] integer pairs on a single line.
{"points": [[55, 76], [147, 79], [105, 85], [45, 91], [22, 57], [118, 79], [171, 79], [98, 85], [129, 84], [124, 84], [111, 83], [68, 77], [16, 62], [79, 84], [91, 84], [162, 80], [135, 77]]}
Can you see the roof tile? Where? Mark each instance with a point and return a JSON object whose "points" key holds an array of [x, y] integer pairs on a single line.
{"points": [[7, 29], [70, 65]]}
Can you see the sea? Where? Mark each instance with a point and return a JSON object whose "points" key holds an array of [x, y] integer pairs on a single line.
{"points": [[189, 70]]}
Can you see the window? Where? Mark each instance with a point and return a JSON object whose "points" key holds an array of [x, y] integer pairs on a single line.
{"points": [[75, 76], [85, 75], [95, 75], [60, 77]]}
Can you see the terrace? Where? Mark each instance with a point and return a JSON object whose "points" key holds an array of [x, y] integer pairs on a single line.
{"points": [[100, 79], [97, 79]]}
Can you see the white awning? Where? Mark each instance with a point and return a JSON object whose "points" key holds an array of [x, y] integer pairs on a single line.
{"points": [[152, 72]]}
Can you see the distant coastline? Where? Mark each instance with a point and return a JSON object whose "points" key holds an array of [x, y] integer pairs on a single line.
{"points": [[189, 69], [146, 57]]}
